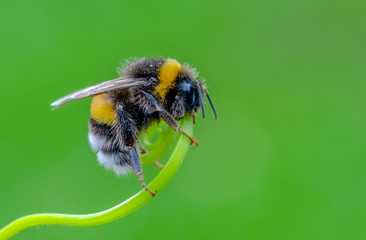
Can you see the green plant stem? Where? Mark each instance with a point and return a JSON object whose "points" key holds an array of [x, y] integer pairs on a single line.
{"points": [[128, 206], [160, 146]]}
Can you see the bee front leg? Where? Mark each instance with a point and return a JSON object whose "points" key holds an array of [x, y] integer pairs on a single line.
{"points": [[150, 104], [127, 138]]}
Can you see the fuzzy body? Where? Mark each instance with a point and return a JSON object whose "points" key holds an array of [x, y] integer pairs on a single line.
{"points": [[105, 126]]}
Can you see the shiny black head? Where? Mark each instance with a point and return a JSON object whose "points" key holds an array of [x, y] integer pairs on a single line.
{"points": [[192, 94]]}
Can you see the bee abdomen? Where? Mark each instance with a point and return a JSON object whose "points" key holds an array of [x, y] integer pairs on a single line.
{"points": [[109, 155], [116, 161], [96, 142], [102, 110]]}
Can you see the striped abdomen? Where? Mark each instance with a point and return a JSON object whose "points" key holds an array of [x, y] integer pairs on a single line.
{"points": [[103, 138]]}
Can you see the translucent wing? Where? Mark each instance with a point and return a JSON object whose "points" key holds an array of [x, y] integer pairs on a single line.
{"points": [[107, 86]]}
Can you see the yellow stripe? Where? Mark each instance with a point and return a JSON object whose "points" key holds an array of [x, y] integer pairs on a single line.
{"points": [[168, 73], [102, 111]]}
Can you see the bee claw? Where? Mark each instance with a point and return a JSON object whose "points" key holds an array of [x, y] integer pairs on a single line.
{"points": [[194, 140]]}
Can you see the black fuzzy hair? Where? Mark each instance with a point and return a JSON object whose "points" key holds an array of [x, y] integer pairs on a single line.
{"points": [[141, 68]]}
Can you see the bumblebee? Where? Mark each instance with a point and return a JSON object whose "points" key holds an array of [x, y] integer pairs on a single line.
{"points": [[147, 91]]}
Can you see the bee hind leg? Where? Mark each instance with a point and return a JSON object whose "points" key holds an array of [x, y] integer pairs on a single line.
{"points": [[127, 137], [136, 167]]}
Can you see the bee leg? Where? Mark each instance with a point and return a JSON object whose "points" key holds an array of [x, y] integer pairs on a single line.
{"points": [[143, 150], [159, 165], [128, 140], [178, 109], [136, 167], [142, 181], [173, 124], [151, 105], [193, 116]]}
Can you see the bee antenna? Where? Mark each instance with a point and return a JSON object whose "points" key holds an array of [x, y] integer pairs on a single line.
{"points": [[211, 103], [201, 99]]}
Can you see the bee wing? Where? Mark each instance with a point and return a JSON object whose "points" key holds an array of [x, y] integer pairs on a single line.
{"points": [[107, 86]]}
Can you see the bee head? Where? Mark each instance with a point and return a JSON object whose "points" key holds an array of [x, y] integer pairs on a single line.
{"points": [[192, 94]]}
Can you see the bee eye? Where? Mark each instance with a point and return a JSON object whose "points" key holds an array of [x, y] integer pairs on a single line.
{"points": [[188, 94]]}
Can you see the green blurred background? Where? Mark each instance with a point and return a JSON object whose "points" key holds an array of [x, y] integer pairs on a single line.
{"points": [[285, 160]]}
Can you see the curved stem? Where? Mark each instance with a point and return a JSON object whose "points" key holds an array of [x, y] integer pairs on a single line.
{"points": [[128, 206], [160, 146]]}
